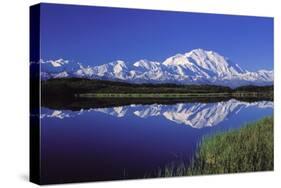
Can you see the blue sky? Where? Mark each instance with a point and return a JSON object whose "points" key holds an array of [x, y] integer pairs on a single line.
{"points": [[98, 35]]}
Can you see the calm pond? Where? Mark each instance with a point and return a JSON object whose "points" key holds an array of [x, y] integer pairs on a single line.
{"points": [[133, 141]]}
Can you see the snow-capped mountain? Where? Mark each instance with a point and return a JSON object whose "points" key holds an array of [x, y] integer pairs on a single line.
{"points": [[196, 115], [195, 67]]}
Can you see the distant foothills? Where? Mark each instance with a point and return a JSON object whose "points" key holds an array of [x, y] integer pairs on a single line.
{"points": [[77, 93], [196, 67], [82, 87]]}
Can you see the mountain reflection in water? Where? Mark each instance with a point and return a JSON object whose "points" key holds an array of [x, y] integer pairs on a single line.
{"points": [[133, 140], [196, 115]]}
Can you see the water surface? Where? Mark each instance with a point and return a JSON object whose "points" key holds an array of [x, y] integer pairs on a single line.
{"points": [[132, 141]]}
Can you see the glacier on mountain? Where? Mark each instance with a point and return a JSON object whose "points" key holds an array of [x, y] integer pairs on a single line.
{"points": [[195, 67]]}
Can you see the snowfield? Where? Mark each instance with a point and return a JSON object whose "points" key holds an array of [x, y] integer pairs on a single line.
{"points": [[195, 67]]}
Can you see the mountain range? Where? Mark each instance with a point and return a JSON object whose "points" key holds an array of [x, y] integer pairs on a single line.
{"points": [[196, 115], [195, 67]]}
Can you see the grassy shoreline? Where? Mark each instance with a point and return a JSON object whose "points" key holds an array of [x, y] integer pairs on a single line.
{"points": [[170, 95], [245, 150], [150, 95], [103, 88]]}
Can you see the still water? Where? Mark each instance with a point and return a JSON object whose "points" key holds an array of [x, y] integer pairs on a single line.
{"points": [[133, 141]]}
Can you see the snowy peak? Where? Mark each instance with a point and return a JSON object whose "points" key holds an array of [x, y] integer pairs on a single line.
{"points": [[197, 66], [119, 64], [147, 64], [203, 64], [58, 62], [214, 62], [178, 59], [119, 69]]}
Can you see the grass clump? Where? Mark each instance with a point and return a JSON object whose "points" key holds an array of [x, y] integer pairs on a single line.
{"points": [[245, 150]]}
